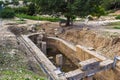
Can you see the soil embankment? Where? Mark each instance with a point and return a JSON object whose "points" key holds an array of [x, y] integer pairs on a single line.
{"points": [[104, 42]]}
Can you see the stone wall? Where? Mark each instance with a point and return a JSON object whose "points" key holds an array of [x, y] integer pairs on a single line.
{"points": [[83, 54], [79, 53], [68, 50]]}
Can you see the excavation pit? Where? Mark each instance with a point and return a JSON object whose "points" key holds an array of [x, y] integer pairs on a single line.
{"points": [[85, 63], [52, 52], [66, 64]]}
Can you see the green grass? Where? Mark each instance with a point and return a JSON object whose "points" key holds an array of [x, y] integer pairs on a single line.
{"points": [[117, 27], [114, 25], [19, 74], [52, 19], [20, 22], [117, 17], [15, 67]]}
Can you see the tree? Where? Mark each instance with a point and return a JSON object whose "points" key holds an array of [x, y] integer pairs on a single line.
{"points": [[15, 2], [1, 5], [70, 8], [31, 9], [111, 4], [7, 13], [25, 2], [1, 2]]}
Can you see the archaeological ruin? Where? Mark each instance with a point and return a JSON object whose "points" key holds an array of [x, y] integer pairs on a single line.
{"points": [[61, 60]]}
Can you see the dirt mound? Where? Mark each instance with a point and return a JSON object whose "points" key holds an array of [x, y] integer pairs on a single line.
{"points": [[117, 12]]}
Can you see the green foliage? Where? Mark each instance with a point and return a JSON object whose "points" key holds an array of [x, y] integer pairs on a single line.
{"points": [[68, 8], [15, 2], [13, 66], [52, 19], [19, 74], [111, 4], [20, 22], [84, 8], [25, 2], [117, 17], [117, 27], [20, 10], [7, 13], [1, 2], [31, 9], [114, 24]]}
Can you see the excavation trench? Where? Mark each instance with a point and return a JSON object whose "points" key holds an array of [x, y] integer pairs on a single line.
{"points": [[77, 62], [66, 64]]}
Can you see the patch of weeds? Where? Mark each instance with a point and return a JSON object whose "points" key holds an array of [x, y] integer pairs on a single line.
{"points": [[117, 17], [21, 21], [114, 23], [14, 67], [41, 18], [117, 27], [15, 75]]}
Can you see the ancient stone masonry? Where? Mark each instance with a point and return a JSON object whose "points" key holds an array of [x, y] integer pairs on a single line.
{"points": [[88, 62]]}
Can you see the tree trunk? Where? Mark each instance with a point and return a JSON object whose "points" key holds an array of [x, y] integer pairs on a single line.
{"points": [[68, 21]]}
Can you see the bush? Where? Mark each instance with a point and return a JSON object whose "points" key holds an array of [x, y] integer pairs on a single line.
{"points": [[7, 13], [21, 10], [52, 19], [1, 2], [31, 9], [117, 27], [117, 17]]}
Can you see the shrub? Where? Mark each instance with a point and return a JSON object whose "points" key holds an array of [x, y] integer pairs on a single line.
{"points": [[20, 10], [52, 19], [117, 17], [7, 13], [117, 27], [31, 9], [1, 2]]}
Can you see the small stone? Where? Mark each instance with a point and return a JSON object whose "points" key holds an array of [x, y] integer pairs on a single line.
{"points": [[85, 29], [1, 69], [91, 49], [20, 71]]}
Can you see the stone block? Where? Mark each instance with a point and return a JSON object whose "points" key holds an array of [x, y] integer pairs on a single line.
{"points": [[89, 64]]}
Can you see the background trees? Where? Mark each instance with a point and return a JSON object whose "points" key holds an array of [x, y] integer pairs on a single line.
{"points": [[89, 7], [7, 13], [1, 3], [111, 4], [70, 8]]}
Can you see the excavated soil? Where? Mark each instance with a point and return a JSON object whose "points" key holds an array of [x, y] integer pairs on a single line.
{"points": [[106, 43]]}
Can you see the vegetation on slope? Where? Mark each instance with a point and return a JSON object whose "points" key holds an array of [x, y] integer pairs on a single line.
{"points": [[15, 66]]}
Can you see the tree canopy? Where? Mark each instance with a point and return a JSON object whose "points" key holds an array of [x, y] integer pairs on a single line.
{"points": [[70, 8], [111, 4]]}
